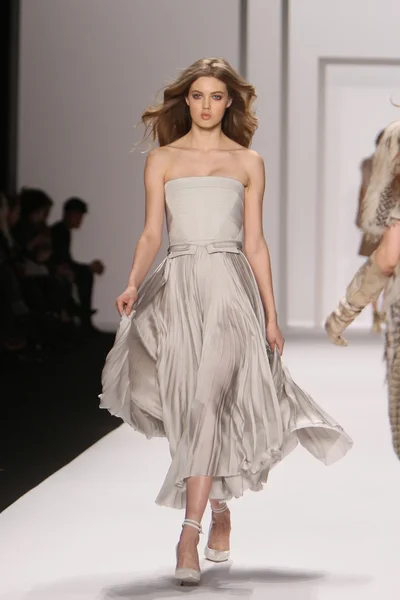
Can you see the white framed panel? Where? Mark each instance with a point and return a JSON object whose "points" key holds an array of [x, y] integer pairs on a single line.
{"points": [[351, 32], [265, 71], [355, 107]]}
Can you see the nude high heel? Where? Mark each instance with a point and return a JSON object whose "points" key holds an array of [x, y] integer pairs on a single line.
{"points": [[217, 555], [188, 576]]}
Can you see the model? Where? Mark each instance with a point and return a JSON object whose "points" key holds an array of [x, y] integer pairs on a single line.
{"points": [[197, 352], [380, 218]]}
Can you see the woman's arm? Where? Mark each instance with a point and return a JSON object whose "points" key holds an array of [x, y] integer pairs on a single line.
{"points": [[150, 240], [366, 285], [387, 255], [255, 246], [256, 249], [369, 281]]}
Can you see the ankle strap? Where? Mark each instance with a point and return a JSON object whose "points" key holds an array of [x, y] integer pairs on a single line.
{"points": [[222, 508], [194, 524]]}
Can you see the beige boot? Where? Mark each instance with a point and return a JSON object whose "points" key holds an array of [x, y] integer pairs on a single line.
{"points": [[365, 287]]}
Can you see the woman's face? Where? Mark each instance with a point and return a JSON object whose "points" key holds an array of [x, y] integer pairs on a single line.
{"points": [[208, 100]]}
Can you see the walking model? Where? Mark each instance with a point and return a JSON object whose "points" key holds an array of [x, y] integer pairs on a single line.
{"points": [[197, 353], [380, 218]]}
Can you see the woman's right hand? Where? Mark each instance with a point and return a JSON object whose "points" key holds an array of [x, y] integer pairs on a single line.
{"points": [[126, 300]]}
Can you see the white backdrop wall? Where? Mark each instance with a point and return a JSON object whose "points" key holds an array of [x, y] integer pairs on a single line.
{"points": [[264, 70], [88, 68], [343, 68]]}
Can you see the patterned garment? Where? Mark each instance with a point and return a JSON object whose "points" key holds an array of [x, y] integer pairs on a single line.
{"points": [[392, 355], [381, 209]]}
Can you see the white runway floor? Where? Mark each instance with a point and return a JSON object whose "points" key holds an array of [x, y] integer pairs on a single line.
{"points": [[92, 530]]}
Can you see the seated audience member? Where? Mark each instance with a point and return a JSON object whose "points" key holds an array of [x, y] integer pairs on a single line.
{"points": [[14, 211], [81, 274], [45, 291], [13, 309], [31, 231]]}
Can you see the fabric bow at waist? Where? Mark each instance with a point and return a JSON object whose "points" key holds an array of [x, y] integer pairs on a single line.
{"points": [[191, 247]]}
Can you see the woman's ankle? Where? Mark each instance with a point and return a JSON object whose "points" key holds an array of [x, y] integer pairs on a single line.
{"points": [[218, 504]]}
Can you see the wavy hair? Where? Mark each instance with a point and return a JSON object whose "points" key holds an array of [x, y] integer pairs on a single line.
{"points": [[170, 120]]}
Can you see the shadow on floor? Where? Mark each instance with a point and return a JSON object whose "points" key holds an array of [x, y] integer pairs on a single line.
{"points": [[241, 583], [271, 584], [238, 582]]}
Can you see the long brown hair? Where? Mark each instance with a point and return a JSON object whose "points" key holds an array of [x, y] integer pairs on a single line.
{"points": [[170, 120]]}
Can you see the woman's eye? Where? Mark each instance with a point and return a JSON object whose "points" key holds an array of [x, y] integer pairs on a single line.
{"points": [[196, 96], [217, 97]]}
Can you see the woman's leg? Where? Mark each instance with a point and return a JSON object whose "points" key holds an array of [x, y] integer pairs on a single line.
{"points": [[221, 527], [197, 494]]}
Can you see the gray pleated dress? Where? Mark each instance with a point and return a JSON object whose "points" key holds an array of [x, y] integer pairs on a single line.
{"points": [[191, 362]]}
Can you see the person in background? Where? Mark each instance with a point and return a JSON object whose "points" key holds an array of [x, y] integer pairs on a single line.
{"points": [[368, 246], [31, 231], [380, 218], [12, 306], [45, 292], [14, 211], [82, 275]]}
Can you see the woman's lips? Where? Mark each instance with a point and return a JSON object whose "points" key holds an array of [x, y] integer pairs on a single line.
{"points": [[205, 116]]}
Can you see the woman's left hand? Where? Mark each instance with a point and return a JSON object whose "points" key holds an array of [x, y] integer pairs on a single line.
{"points": [[274, 337]]}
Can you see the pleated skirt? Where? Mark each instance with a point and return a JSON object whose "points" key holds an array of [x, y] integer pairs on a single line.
{"points": [[191, 364]]}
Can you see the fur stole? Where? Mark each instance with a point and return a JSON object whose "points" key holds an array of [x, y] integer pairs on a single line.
{"points": [[381, 205]]}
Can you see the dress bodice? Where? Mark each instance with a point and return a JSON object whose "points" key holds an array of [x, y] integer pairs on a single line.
{"points": [[201, 209]]}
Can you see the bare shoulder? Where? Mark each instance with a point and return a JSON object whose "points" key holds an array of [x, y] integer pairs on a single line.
{"points": [[158, 155], [254, 166], [157, 161], [253, 159]]}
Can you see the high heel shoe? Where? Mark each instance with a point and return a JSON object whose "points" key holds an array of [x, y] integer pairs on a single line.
{"points": [[188, 576], [210, 553]]}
